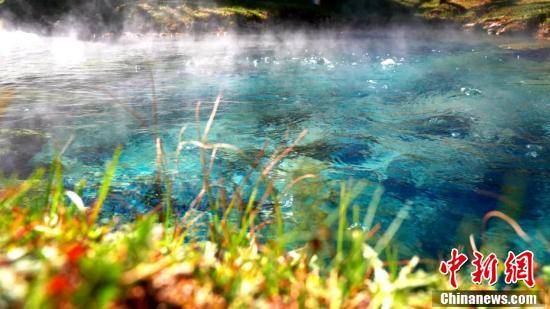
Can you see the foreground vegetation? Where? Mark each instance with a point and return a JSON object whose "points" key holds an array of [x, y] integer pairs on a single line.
{"points": [[55, 256], [58, 252]]}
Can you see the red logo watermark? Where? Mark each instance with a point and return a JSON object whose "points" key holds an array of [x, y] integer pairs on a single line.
{"points": [[517, 268], [452, 266], [484, 268]]}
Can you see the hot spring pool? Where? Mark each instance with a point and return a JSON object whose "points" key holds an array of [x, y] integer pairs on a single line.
{"points": [[450, 122]]}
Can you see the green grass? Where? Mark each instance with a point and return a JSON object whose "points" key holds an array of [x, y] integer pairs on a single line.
{"points": [[525, 11], [512, 16], [183, 17], [54, 253]]}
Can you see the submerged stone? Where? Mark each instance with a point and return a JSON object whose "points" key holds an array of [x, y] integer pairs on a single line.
{"points": [[18, 148], [347, 151], [446, 125]]}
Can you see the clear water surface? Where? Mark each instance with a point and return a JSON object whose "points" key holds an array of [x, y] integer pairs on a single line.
{"points": [[450, 122]]}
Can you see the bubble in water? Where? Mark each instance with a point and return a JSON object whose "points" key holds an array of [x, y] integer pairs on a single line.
{"points": [[533, 147], [470, 91], [356, 225], [388, 62], [532, 154]]}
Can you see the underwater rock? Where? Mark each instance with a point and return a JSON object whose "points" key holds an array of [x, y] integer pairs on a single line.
{"points": [[320, 150], [401, 189], [92, 154], [447, 124], [425, 87], [347, 152], [301, 165], [403, 178], [293, 168], [19, 147], [152, 194], [284, 118], [352, 153]]}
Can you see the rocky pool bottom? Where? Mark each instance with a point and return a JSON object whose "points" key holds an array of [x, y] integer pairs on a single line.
{"points": [[449, 122]]}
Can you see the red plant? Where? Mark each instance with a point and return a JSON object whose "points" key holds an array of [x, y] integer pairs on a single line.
{"points": [[75, 252], [58, 285]]}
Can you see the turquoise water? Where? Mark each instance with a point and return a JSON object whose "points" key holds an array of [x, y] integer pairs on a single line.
{"points": [[448, 121]]}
